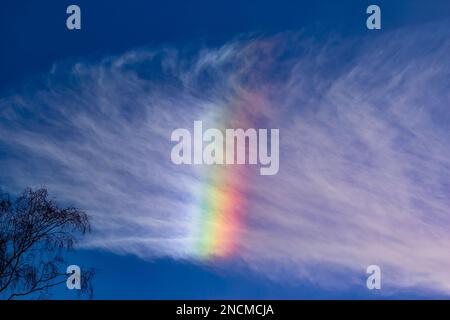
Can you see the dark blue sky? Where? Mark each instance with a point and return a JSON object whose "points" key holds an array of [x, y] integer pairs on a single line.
{"points": [[128, 277], [34, 36]]}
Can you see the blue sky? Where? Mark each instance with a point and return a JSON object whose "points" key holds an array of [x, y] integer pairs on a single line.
{"points": [[115, 26], [379, 95]]}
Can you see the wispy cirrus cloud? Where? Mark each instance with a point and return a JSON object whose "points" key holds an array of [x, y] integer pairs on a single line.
{"points": [[364, 160]]}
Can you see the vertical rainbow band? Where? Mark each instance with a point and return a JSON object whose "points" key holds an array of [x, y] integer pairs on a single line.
{"points": [[222, 209], [222, 205]]}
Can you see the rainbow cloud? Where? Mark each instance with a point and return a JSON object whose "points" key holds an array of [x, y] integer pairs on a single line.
{"points": [[222, 202], [364, 173]]}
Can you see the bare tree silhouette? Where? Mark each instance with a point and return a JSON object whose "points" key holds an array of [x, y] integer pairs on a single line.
{"points": [[34, 234]]}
